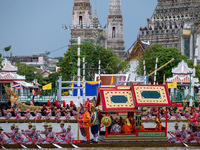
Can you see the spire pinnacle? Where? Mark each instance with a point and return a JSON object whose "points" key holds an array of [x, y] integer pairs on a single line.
{"points": [[95, 19]]}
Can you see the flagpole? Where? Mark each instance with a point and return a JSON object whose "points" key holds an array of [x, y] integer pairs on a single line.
{"points": [[144, 72], [83, 80], [155, 71], [99, 74], [79, 78]]}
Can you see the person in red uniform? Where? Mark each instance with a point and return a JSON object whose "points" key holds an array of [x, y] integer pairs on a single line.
{"points": [[159, 125], [127, 128], [87, 104], [194, 118], [86, 124]]}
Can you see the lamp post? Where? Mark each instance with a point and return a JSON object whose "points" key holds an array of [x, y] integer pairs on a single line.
{"points": [[35, 72]]}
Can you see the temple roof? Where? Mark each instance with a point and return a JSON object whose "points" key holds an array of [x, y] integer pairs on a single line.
{"points": [[136, 50], [5, 76], [7, 66], [182, 68], [182, 79]]}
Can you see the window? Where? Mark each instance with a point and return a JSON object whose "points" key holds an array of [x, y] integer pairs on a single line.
{"points": [[113, 32], [80, 20]]}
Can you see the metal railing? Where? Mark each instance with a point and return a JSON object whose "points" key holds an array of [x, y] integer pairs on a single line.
{"points": [[40, 97], [180, 96]]}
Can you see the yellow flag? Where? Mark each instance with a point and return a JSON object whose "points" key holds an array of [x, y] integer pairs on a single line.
{"points": [[172, 85], [47, 86], [111, 82]]}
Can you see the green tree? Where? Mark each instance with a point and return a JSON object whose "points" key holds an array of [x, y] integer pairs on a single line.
{"points": [[110, 62], [164, 55], [28, 72], [53, 77]]}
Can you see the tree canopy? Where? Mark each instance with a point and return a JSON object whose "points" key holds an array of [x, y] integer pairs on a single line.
{"points": [[164, 55], [110, 62], [28, 72]]}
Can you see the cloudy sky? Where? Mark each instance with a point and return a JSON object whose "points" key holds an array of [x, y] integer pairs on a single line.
{"points": [[32, 26]]}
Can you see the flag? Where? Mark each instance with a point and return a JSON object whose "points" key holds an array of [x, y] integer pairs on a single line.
{"points": [[73, 83], [16, 86], [135, 80], [172, 85], [147, 79], [111, 82], [47, 86]]}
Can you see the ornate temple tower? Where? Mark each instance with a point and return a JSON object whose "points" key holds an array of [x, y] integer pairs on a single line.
{"points": [[172, 24], [82, 24], [114, 32], [82, 13]]}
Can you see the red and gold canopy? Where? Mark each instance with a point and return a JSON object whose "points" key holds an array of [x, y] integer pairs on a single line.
{"points": [[151, 95], [126, 98], [117, 99]]}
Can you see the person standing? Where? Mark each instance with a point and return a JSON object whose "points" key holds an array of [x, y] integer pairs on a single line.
{"points": [[194, 118], [33, 95], [81, 126], [94, 124], [86, 124]]}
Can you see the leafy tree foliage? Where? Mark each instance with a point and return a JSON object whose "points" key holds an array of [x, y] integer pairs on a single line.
{"points": [[164, 55], [52, 79], [110, 62], [28, 72], [7, 48]]}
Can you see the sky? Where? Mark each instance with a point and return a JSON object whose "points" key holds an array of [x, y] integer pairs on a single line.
{"points": [[32, 26]]}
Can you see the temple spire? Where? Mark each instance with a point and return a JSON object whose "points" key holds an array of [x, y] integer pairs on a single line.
{"points": [[95, 19]]}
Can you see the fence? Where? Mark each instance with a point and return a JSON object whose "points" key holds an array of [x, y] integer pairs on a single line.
{"points": [[40, 97], [180, 96]]}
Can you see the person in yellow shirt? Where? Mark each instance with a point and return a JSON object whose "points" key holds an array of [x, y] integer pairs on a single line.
{"points": [[127, 128], [86, 124]]}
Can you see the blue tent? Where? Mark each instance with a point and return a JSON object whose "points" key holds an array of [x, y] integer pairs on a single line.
{"points": [[90, 89]]}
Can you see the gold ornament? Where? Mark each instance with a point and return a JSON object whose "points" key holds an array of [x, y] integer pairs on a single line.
{"points": [[106, 121]]}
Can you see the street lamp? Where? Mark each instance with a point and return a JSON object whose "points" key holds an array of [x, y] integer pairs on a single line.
{"points": [[35, 72]]}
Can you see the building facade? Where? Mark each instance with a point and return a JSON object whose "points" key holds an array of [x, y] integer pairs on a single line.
{"points": [[89, 28], [173, 24]]}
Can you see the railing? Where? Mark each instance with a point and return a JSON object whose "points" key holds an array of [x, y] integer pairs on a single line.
{"points": [[180, 96], [40, 97]]}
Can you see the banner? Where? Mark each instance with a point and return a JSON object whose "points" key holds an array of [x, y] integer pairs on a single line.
{"points": [[172, 85], [47, 87], [16, 86]]}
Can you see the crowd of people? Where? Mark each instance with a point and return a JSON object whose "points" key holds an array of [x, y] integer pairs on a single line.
{"points": [[170, 113], [33, 136], [88, 120], [192, 134]]}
